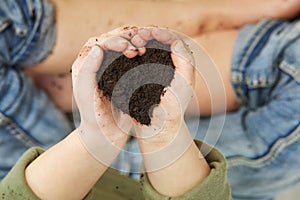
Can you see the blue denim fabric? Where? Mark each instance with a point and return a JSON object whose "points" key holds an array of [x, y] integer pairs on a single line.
{"points": [[261, 141], [129, 160], [27, 117]]}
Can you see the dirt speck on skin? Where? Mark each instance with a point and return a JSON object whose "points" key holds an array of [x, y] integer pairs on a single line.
{"points": [[136, 85], [85, 50], [110, 22], [61, 75], [179, 23], [201, 28], [221, 25], [129, 27]]}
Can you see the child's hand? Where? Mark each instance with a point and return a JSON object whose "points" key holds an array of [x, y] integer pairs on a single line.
{"points": [[99, 126], [99, 129], [181, 89], [167, 137], [169, 152]]}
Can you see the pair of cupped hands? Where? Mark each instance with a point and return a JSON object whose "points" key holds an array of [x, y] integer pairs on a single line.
{"points": [[103, 130]]}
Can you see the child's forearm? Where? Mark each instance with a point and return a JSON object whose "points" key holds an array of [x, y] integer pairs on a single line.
{"points": [[174, 166], [65, 171]]}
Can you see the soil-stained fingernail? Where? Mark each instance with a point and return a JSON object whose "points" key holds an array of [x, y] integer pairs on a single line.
{"points": [[95, 52]]}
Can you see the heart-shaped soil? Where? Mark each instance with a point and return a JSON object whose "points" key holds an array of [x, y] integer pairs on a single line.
{"points": [[136, 85]]}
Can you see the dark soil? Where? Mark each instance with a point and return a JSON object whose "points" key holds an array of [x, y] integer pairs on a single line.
{"points": [[136, 85]]}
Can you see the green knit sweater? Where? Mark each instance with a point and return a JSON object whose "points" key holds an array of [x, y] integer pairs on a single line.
{"points": [[114, 186]]}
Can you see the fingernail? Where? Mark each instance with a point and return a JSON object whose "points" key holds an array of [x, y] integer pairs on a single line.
{"points": [[179, 46], [95, 52], [131, 48]]}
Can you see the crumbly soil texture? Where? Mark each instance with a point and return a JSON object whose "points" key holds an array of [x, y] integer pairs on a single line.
{"points": [[136, 85]]}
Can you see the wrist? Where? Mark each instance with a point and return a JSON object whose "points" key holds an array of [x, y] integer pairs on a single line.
{"points": [[63, 166], [165, 147], [154, 138], [102, 147]]}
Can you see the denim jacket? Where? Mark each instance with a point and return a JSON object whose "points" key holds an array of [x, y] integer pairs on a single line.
{"points": [[27, 117]]}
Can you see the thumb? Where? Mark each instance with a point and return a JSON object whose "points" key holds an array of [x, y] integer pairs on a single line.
{"points": [[183, 60], [86, 65], [183, 83]]}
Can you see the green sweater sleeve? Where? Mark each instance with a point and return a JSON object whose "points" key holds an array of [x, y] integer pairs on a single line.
{"points": [[214, 187], [14, 185], [112, 185], [116, 186]]}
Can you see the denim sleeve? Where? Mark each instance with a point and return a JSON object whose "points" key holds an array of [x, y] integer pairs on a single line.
{"points": [[27, 31], [27, 116], [263, 137], [215, 186], [266, 77]]}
